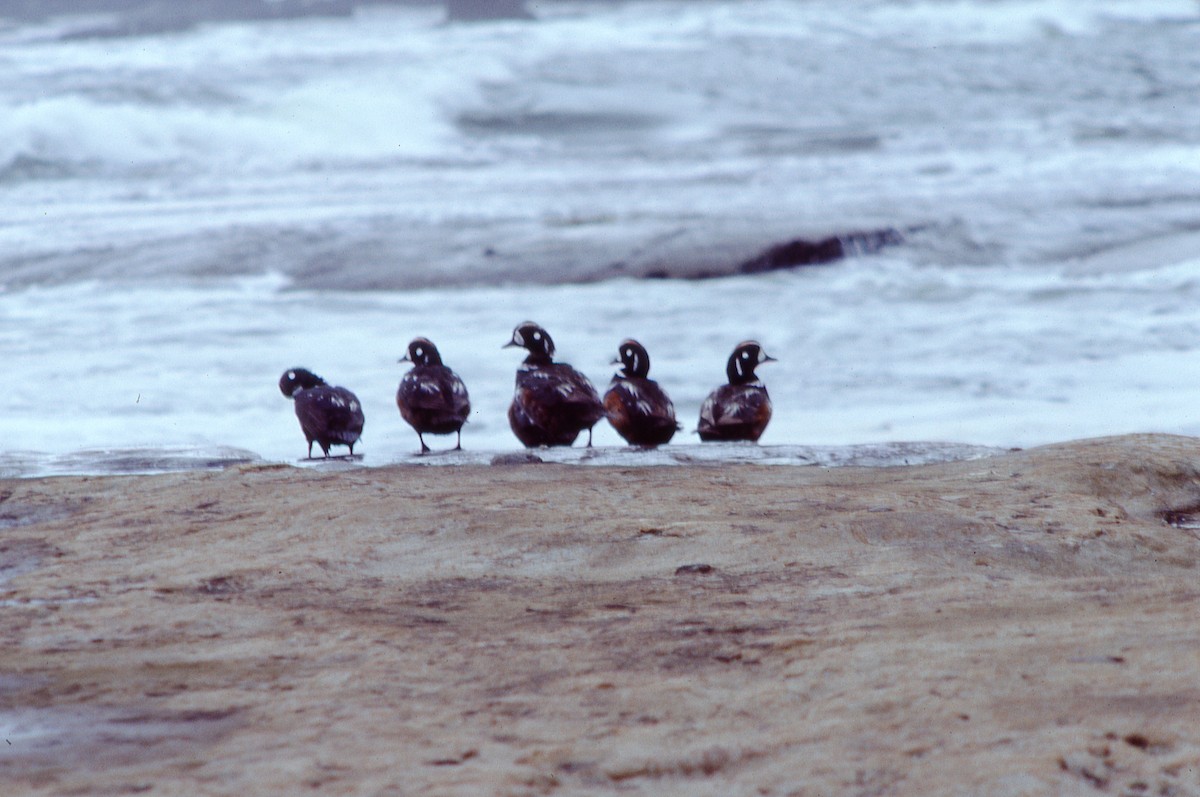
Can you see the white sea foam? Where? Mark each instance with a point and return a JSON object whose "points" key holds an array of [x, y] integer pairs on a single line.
{"points": [[959, 21], [1040, 160], [267, 96], [870, 351], [383, 85]]}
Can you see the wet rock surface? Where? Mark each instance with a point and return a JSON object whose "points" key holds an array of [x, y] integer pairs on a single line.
{"points": [[1024, 623]]}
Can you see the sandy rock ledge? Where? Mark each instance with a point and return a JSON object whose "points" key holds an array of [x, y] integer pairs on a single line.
{"points": [[1024, 624]]}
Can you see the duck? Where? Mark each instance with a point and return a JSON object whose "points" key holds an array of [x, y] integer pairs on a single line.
{"points": [[552, 402], [741, 409], [636, 406], [329, 416], [431, 397]]}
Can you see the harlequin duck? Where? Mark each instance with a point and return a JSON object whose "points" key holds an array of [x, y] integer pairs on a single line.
{"points": [[331, 416], [553, 402], [431, 397], [741, 409], [637, 407]]}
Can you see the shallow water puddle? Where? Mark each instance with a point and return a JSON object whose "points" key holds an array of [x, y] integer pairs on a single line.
{"points": [[65, 736], [22, 555]]}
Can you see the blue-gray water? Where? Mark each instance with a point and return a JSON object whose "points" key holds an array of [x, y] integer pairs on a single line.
{"points": [[186, 214]]}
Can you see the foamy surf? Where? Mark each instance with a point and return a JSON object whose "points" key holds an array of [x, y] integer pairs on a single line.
{"points": [[393, 176]]}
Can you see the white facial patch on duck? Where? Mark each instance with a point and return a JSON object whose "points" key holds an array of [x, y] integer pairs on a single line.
{"points": [[739, 363], [635, 362]]}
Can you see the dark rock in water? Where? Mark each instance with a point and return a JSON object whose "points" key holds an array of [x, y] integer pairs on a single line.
{"points": [[799, 252], [474, 10], [802, 252], [733, 246]]}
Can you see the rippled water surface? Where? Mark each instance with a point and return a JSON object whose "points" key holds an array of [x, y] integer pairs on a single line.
{"points": [[186, 214]]}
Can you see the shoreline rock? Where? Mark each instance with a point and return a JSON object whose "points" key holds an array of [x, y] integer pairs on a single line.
{"points": [[1021, 624]]}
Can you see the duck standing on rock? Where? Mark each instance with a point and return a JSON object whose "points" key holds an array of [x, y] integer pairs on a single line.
{"points": [[741, 409], [330, 416], [637, 407], [431, 397], [553, 402]]}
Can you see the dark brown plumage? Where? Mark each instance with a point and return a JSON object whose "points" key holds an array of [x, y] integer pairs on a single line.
{"points": [[637, 407], [329, 416], [741, 409], [552, 402], [431, 397]]}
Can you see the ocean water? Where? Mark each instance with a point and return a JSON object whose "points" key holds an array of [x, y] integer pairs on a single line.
{"points": [[184, 215]]}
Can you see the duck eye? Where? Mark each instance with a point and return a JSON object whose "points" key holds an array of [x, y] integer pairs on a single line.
{"points": [[419, 352], [537, 335], [745, 355], [291, 374]]}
